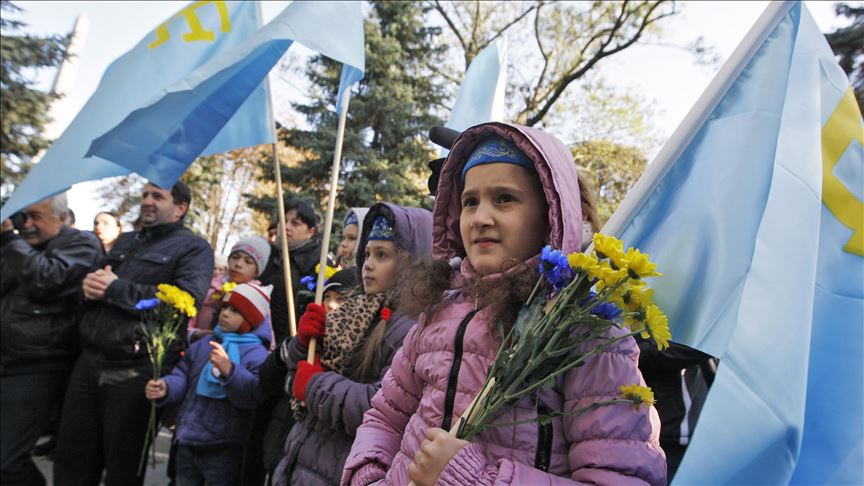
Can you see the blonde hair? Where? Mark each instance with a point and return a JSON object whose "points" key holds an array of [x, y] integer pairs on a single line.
{"points": [[588, 198]]}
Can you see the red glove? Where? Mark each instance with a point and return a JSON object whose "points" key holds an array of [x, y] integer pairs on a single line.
{"points": [[305, 372], [311, 324]]}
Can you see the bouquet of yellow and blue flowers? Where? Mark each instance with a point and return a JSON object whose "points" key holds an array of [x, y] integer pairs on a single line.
{"points": [[585, 296], [163, 319]]}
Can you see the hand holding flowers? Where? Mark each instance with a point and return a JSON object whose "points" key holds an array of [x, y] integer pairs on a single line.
{"points": [[550, 335], [163, 318]]}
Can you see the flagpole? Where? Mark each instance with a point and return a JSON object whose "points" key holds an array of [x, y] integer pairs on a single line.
{"points": [[280, 202], [331, 204]]}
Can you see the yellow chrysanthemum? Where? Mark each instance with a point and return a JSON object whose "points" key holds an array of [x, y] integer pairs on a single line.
{"points": [[328, 272], [224, 290], [657, 326], [179, 299], [610, 247], [639, 266], [635, 322], [608, 275], [637, 297], [637, 394], [578, 260]]}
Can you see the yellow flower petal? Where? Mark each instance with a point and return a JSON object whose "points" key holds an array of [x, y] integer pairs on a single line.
{"points": [[639, 266], [328, 271], [638, 394], [610, 247], [658, 326]]}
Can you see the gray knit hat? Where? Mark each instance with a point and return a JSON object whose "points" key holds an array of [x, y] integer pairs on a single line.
{"points": [[256, 247]]}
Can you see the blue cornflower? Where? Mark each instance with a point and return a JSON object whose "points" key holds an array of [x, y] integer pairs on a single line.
{"points": [[603, 310], [555, 267], [308, 281], [606, 310], [147, 304]]}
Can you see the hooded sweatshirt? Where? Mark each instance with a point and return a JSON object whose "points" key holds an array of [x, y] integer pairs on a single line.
{"points": [[317, 446], [443, 364]]}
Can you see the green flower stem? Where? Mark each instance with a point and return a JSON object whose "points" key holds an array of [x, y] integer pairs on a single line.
{"points": [[509, 394], [534, 291]]}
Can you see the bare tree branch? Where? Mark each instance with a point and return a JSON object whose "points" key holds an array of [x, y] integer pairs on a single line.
{"points": [[600, 54], [511, 24], [471, 52], [441, 73], [543, 53], [450, 23]]}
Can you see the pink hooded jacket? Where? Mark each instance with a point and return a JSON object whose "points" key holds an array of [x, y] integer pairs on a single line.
{"points": [[442, 366]]}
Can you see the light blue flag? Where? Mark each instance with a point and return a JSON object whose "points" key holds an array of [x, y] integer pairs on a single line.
{"points": [[753, 211], [185, 41], [481, 95], [160, 140]]}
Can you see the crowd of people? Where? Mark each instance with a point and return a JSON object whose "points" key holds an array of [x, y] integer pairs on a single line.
{"points": [[405, 334]]}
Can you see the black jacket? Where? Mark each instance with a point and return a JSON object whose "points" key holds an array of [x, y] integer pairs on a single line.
{"points": [[40, 289], [303, 261], [663, 372], [143, 259]]}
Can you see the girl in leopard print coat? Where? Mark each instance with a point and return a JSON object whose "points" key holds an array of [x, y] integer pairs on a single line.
{"points": [[357, 341]]}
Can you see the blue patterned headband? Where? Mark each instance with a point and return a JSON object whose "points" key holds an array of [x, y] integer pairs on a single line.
{"points": [[495, 149], [382, 229], [350, 219]]}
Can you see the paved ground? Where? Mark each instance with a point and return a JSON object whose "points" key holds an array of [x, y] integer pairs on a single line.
{"points": [[153, 476]]}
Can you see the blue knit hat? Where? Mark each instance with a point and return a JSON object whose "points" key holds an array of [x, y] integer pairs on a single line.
{"points": [[495, 149], [382, 229]]}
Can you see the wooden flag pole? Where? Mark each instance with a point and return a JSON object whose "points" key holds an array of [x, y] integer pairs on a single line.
{"points": [[286, 257], [328, 220], [280, 203]]}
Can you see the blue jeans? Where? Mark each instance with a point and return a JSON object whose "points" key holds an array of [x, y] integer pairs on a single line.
{"points": [[208, 465]]}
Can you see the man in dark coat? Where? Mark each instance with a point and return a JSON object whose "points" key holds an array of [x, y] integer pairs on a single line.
{"points": [[42, 264], [105, 413]]}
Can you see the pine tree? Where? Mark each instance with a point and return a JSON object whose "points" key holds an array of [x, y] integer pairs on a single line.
{"points": [[23, 109], [848, 45], [385, 150]]}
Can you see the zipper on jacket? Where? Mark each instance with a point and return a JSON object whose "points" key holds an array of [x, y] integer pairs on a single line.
{"points": [[450, 396], [544, 439]]}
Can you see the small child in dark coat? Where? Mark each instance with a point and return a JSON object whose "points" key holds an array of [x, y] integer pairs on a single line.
{"points": [[217, 383]]}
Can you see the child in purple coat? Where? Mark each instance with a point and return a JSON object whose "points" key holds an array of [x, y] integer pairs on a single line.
{"points": [[217, 383], [504, 192]]}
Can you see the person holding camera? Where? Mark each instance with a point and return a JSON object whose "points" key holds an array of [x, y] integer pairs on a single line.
{"points": [[42, 264]]}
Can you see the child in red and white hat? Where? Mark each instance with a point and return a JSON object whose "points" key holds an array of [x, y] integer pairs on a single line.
{"points": [[217, 383]]}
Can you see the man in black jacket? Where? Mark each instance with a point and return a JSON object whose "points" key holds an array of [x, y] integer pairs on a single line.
{"points": [[105, 413], [42, 264]]}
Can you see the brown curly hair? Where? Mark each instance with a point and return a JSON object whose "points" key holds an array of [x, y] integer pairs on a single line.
{"points": [[422, 286]]}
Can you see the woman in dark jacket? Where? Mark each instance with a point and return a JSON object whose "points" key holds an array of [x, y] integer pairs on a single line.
{"points": [[355, 349]]}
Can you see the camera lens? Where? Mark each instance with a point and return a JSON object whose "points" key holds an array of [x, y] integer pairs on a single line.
{"points": [[18, 219]]}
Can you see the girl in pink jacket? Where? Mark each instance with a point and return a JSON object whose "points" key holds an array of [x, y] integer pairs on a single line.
{"points": [[504, 192]]}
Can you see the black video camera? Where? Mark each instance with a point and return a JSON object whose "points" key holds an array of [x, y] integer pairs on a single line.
{"points": [[18, 219]]}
